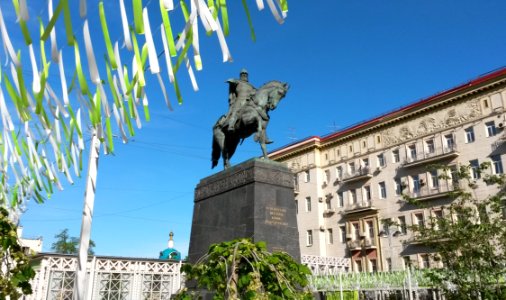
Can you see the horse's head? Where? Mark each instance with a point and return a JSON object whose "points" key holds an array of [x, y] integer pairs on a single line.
{"points": [[278, 91]]}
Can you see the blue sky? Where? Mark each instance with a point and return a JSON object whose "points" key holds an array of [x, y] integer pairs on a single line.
{"points": [[346, 61]]}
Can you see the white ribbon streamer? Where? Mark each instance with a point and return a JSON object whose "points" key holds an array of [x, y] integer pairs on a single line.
{"points": [[167, 54], [35, 70], [92, 64], [124, 21], [152, 55], [7, 41], [52, 35]]}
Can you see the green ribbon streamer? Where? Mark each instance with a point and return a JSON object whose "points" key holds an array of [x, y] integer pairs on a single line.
{"points": [[250, 22], [22, 24], [138, 21], [168, 30], [107, 39]]}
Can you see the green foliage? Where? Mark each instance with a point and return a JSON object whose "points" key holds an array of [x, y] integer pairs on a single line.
{"points": [[241, 269], [15, 269], [470, 239], [65, 244]]}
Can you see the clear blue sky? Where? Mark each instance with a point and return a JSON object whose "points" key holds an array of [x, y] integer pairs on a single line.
{"points": [[346, 61]]}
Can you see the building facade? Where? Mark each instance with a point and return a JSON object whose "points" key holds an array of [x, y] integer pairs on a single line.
{"points": [[349, 184]]}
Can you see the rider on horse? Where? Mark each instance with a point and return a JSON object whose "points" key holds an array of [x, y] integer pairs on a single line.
{"points": [[241, 93]]}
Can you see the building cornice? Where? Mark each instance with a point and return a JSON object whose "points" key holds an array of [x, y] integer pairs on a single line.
{"points": [[470, 88]]}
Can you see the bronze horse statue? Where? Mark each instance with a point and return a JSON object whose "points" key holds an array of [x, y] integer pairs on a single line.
{"points": [[253, 118]]}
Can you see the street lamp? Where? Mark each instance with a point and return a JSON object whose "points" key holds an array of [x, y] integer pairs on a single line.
{"points": [[387, 233]]}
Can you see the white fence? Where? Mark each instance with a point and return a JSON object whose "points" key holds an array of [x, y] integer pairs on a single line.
{"points": [[109, 278]]}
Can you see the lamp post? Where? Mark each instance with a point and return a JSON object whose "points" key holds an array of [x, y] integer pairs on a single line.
{"points": [[388, 233]]}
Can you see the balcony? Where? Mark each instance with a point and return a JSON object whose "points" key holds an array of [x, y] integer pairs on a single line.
{"points": [[430, 193], [362, 207], [431, 157], [363, 243], [296, 189], [360, 174], [370, 243], [355, 245], [328, 212]]}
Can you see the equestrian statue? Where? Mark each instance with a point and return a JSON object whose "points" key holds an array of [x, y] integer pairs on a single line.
{"points": [[248, 114]]}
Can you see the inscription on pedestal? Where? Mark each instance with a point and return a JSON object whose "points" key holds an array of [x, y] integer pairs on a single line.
{"points": [[275, 216]]}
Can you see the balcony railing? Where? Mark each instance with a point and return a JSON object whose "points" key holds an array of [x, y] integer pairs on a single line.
{"points": [[370, 243], [428, 193], [365, 243], [355, 244], [429, 157], [361, 173], [365, 206]]}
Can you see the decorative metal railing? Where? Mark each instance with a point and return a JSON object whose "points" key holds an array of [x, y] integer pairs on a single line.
{"points": [[110, 278]]}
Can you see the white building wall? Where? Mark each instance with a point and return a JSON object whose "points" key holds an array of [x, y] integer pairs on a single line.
{"points": [[430, 124]]}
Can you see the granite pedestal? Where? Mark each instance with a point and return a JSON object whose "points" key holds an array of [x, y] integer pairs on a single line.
{"points": [[254, 200]]}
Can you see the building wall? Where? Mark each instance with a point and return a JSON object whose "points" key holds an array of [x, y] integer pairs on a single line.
{"points": [[439, 132]]}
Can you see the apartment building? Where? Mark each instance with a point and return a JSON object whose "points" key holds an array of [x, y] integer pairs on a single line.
{"points": [[349, 184]]}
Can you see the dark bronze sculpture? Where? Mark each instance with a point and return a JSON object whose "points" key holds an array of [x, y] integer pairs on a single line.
{"points": [[248, 113]]}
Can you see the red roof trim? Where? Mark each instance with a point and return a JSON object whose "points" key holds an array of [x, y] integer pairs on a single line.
{"points": [[477, 81]]}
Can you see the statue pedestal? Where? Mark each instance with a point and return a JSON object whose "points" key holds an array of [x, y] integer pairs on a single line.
{"points": [[252, 200]]}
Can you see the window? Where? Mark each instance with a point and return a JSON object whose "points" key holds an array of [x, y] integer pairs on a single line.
{"points": [[412, 151], [378, 139], [374, 265], [364, 144], [342, 234], [402, 225], [350, 148], [449, 141], [395, 156], [370, 229], [328, 203], [415, 179], [389, 264], [398, 187], [437, 218], [497, 164], [296, 182], [358, 265], [407, 262], [382, 190], [469, 134], [429, 144], [296, 206], [340, 199], [381, 160], [327, 176], [365, 162], [491, 130], [418, 220], [353, 196], [330, 236], [425, 261], [356, 231], [351, 167], [475, 168], [485, 103], [386, 225], [434, 180], [309, 238], [339, 172], [367, 193], [307, 176], [308, 204]]}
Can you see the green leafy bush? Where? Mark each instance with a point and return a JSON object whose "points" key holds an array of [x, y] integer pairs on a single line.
{"points": [[241, 269]]}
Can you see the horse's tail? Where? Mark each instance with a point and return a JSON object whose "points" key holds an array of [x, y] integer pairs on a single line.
{"points": [[215, 156]]}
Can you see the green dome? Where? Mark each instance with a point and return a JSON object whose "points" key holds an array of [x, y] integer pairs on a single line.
{"points": [[170, 253]]}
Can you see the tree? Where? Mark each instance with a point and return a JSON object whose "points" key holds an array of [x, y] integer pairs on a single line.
{"points": [[108, 96], [15, 268], [241, 269], [469, 239], [65, 244]]}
